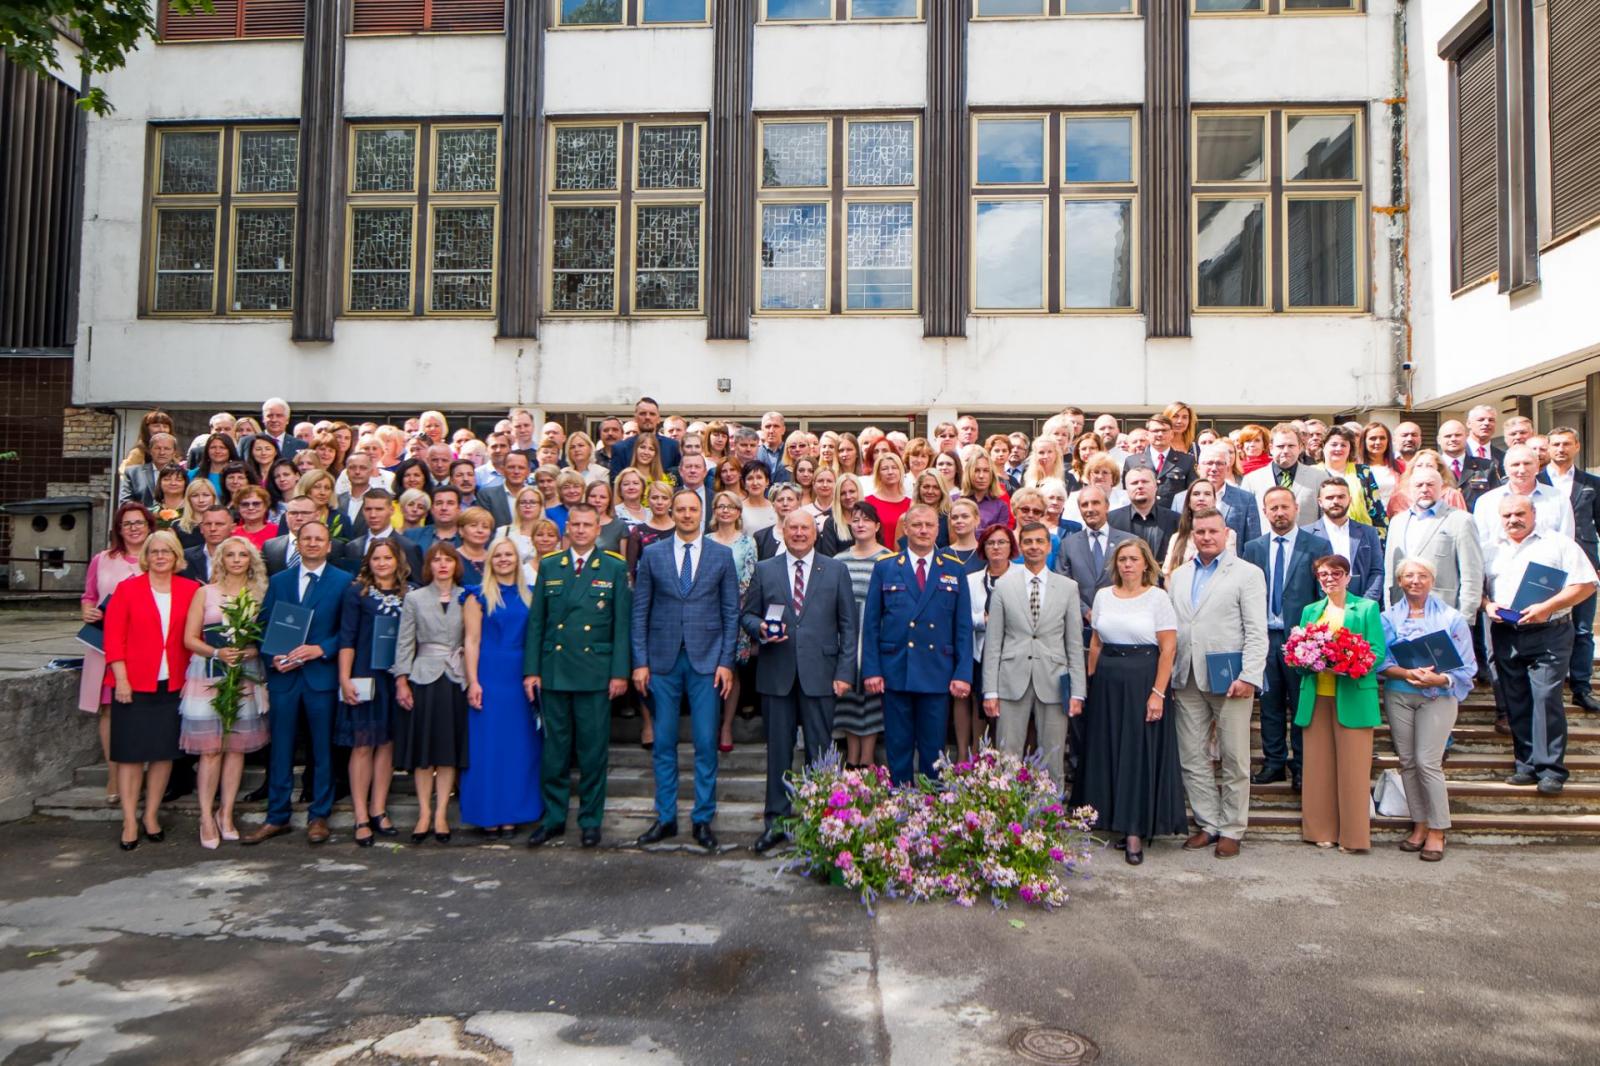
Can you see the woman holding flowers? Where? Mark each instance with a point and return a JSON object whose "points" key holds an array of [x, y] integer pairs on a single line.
{"points": [[224, 720], [1338, 711], [364, 719]]}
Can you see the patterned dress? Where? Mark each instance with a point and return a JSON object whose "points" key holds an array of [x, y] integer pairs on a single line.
{"points": [[744, 567], [858, 712], [202, 728], [370, 723]]}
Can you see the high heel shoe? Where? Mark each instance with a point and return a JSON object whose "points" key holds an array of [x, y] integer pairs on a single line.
{"points": [[157, 837], [215, 842], [443, 838], [369, 841], [1134, 858], [381, 829], [128, 845], [725, 748], [421, 838]]}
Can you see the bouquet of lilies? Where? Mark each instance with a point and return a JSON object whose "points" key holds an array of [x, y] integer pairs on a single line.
{"points": [[240, 628], [1318, 647], [992, 825]]}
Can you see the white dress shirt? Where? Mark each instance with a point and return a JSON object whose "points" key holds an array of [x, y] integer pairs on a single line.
{"points": [[1552, 511], [1338, 536], [806, 561], [306, 573], [695, 555], [1561, 482], [1504, 563]]}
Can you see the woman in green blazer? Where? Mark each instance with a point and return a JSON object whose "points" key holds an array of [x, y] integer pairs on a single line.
{"points": [[1337, 715]]}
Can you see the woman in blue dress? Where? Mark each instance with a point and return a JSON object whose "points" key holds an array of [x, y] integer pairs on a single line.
{"points": [[500, 787], [364, 721]]}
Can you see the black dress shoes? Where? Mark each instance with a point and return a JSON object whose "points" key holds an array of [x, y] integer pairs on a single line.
{"points": [[659, 832], [1294, 780], [256, 795], [769, 840], [1584, 699], [544, 833], [704, 836], [590, 838], [1268, 774]]}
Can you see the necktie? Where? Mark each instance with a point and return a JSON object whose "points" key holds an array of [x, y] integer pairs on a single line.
{"points": [[577, 566], [1286, 478], [922, 574], [311, 586], [1277, 578], [686, 572], [799, 586], [293, 558], [1033, 600], [1455, 465], [1098, 550], [1160, 458]]}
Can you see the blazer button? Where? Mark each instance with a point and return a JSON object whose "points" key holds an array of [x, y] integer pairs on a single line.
{"points": [[558, 647], [561, 625], [587, 628], [911, 644], [913, 625]]}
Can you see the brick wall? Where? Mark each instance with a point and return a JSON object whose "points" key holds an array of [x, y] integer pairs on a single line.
{"points": [[61, 450]]}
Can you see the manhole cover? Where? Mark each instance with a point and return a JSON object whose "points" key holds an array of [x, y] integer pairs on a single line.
{"points": [[1054, 1047]]}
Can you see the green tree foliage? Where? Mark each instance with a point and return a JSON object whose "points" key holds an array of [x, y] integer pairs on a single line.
{"points": [[107, 29]]}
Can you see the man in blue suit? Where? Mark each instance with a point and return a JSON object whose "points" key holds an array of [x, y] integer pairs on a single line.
{"points": [[304, 680], [1358, 542], [1285, 555], [1238, 507], [685, 623], [916, 641], [647, 416]]}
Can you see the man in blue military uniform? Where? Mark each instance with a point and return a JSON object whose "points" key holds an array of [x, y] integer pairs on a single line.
{"points": [[916, 644]]}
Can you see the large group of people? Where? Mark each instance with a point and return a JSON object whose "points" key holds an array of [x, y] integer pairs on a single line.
{"points": [[1114, 600]]}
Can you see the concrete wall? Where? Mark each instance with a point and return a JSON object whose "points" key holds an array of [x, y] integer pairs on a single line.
{"points": [[43, 738]]}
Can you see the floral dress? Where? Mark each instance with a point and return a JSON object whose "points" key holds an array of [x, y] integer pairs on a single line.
{"points": [[744, 567], [202, 727], [370, 723]]}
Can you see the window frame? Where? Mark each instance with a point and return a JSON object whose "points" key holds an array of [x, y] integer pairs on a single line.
{"points": [[1135, 259], [1278, 9], [1043, 199], [836, 195], [351, 207], [1045, 163], [156, 211], [841, 11], [632, 19], [625, 197], [163, 12], [1055, 9], [243, 201], [1277, 190]]}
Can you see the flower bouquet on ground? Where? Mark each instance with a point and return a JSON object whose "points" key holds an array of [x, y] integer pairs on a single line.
{"points": [[992, 825], [1318, 647], [240, 629]]}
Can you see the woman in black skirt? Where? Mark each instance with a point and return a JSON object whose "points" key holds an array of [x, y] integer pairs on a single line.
{"points": [[364, 721], [1129, 770], [145, 651], [430, 734]]}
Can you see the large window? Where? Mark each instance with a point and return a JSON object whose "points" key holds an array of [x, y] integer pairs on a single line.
{"points": [[841, 10], [1278, 198], [440, 181], [1276, 7], [613, 13], [1574, 96], [837, 214], [234, 19], [1012, 9], [428, 16], [222, 205], [1055, 217], [626, 217]]}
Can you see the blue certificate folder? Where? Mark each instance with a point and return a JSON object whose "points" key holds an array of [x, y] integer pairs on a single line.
{"points": [[1434, 650], [1539, 583], [385, 632], [286, 629], [93, 634], [1065, 681], [1222, 669]]}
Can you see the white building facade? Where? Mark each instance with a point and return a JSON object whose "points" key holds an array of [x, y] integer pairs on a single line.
{"points": [[1302, 263]]}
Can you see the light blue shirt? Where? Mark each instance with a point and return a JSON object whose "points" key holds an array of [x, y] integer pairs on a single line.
{"points": [[1203, 573], [1437, 616]]}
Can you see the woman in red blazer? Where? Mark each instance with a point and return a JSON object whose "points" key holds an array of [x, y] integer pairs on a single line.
{"points": [[144, 648]]}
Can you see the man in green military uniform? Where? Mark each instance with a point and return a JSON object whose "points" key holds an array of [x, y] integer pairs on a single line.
{"points": [[578, 657]]}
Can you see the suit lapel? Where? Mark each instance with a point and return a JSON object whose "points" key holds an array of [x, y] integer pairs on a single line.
{"points": [[910, 567], [1224, 564]]}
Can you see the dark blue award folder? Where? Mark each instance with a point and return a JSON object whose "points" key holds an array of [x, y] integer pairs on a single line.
{"points": [[93, 634], [1065, 681], [1539, 583], [1442, 651], [286, 629], [1222, 669], [1410, 654], [385, 632]]}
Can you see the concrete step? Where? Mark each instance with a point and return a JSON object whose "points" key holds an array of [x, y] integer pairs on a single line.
{"points": [[1480, 765], [1482, 738], [1465, 828], [1466, 797]]}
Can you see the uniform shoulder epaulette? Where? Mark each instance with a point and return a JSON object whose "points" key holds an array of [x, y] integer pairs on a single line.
{"points": [[618, 556], [947, 557], [551, 555], [885, 554]]}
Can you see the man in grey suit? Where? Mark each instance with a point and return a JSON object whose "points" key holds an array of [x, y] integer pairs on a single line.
{"points": [[1083, 554], [1035, 635], [1445, 538], [809, 664], [1221, 604], [1285, 471], [501, 500]]}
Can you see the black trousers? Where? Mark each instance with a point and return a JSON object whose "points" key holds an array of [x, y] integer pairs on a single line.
{"points": [[1278, 702], [814, 716], [1531, 664]]}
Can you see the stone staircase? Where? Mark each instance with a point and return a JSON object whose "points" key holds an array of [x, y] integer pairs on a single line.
{"points": [[1483, 808]]}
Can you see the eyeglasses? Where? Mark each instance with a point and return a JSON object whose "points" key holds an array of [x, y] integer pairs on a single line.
{"points": [[135, 523], [250, 503]]}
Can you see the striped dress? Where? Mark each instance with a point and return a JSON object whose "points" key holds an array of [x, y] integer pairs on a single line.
{"points": [[857, 712]]}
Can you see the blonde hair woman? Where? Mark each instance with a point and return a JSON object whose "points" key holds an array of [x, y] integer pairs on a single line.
{"points": [[500, 785], [525, 514], [236, 569], [647, 457], [1045, 462], [411, 510], [198, 498], [889, 496], [627, 491], [579, 454], [1400, 498], [475, 527], [318, 487]]}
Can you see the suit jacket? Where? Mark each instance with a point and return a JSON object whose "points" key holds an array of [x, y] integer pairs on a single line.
{"points": [[1366, 564], [1016, 653], [494, 500], [355, 553], [132, 632], [1231, 616], [622, 453], [1157, 536], [1177, 473], [1355, 698], [1307, 479], [1448, 541], [275, 553], [197, 563], [138, 484], [578, 626], [917, 640], [1241, 513], [288, 444], [705, 623], [768, 543], [1585, 499], [1478, 476], [821, 644], [1075, 559], [1299, 580], [327, 608], [425, 536]]}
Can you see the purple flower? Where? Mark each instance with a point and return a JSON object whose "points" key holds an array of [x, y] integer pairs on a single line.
{"points": [[1023, 775], [839, 798], [1057, 855], [1015, 828], [845, 861]]}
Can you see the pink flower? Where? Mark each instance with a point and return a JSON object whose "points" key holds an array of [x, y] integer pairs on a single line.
{"points": [[839, 798], [1015, 828], [845, 861], [1057, 855], [972, 819], [1023, 775]]}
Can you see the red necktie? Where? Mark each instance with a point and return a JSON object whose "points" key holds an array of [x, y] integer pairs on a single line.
{"points": [[577, 566], [1455, 464], [1160, 458], [922, 574], [799, 586]]}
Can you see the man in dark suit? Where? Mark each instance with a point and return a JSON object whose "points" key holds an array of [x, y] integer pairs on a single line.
{"points": [[1083, 555], [1481, 421], [215, 526], [916, 645], [685, 626], [1239, 509], [376, 514], [275, 426], [1144, 516], [1174, 470], [691, 475], [1284, 554], [1474, 475], [500, 499], [647, 416], [359, 471], [444, 514], [809, 664], [280, 553], [769, 541], [1358, 542], [141, 483], [1583, 489], [304, 680]]}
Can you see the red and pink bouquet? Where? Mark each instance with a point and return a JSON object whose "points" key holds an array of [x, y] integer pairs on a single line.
{"points": [[1319, 648]]}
